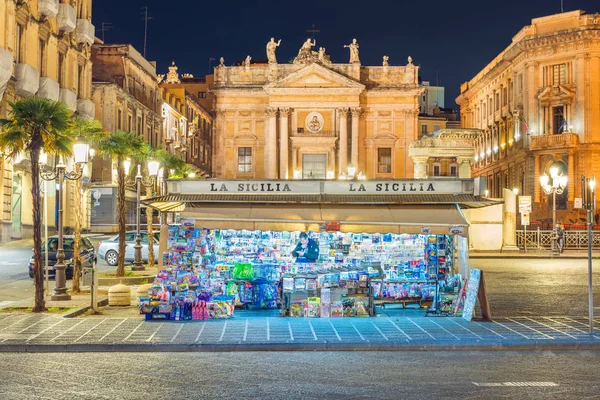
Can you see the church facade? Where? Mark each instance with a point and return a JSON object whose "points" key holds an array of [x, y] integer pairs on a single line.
{"points": [[314, 119]]}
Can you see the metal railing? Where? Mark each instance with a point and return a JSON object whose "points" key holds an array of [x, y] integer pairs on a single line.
{"points": [[538, 239]]}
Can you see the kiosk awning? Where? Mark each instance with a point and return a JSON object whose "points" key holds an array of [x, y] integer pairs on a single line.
{"points": [[358, 218]]}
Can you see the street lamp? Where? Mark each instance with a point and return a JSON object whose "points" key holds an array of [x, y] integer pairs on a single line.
{"points": [[80, 156], [557, 186], [136, 185], [588, 188]]}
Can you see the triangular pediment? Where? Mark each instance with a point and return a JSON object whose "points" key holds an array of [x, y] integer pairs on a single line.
{"points": [[315, 76]]}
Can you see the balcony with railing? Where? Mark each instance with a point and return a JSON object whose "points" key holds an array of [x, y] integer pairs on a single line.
{"points": [[554, 142]]}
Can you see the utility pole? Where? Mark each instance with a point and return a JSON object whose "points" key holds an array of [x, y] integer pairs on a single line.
{"points": [[145, 18], [313, 31], [105, 26]]}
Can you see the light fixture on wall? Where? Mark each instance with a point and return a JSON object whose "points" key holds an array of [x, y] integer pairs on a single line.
{"points": [[297, 174], [330, 175], [351, 171]]}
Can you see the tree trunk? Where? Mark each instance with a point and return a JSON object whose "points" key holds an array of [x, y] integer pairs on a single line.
{"points": [[121, 209], [77, 234], [38, 272], [149, 223]]}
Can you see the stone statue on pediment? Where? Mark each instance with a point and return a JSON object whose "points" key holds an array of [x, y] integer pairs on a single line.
{"points": [[305, 54], [247, 61], [271, 48], [172, 75], [354, 58], [385, 61]]}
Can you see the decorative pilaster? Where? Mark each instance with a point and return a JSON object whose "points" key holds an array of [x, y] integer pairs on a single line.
{"points": [[572, 179], [284, 143], [343, 141], [536, 180], [354, 149], [294, 161], [219, 144], [464, 167], [271, 143], [420, 167]]}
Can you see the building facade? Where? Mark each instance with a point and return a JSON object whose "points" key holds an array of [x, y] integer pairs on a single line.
{"points": [[126, 98], [313, 119], [537, 106], [432, 97], [188, 124], [45, 48]]}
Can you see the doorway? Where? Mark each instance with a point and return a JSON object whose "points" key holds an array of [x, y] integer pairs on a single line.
{"points": [[314, 166], [16, 206]]}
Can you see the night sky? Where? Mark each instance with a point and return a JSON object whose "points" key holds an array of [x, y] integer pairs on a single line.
{"points": [[450, 40]]}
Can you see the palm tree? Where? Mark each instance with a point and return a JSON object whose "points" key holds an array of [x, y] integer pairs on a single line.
{"points": [[91, 131], [35, 124], [119, 145]]}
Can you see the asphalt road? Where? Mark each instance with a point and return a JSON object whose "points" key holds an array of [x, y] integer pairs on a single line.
{"points": [[289, 375], [15, 283]]}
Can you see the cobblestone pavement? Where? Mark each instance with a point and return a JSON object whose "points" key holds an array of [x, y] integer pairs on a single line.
{"points": [[45, 332]]}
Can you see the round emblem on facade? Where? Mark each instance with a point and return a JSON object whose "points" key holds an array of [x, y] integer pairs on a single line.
{"points": [[314, 122]]}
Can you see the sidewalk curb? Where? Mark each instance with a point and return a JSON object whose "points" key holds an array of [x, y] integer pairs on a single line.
{"points": [[82, 310], [298, 347]]}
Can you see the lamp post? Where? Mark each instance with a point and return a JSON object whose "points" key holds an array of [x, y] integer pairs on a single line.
{"points": [[136, 185], [588, 188], [557, 186], [60, 173]]}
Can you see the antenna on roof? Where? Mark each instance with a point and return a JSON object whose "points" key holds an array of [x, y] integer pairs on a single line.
{"points": [[105, 26], [145, 18]]}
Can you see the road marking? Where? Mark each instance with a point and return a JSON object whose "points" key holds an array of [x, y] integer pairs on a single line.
{"points": [[77, 324], [94, 327], [200, 333], [312, 329], [548, 326], [357, 331], [432, 321], [179, 330], [31, 326], [246, 330], [397, 327], [418, 326], [223, 333], [268, 331], [528, 327], [155, 332], [515, 384], [17, 320], [491, 330], [465, 328], [133, 331], [570, 326], [506, 327], [379, 330], [113, 329], [48, 328], [291, 334], [335, 330]]}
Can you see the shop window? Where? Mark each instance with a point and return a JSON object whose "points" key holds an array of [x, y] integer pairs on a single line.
{"points": [[453, 170], [384, 160], [436, 169], [559, 74], [558, 121], [245, 159], [423, 129]]}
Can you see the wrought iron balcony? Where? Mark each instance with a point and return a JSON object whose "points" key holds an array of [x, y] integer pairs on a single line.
{"points": [[560, 141]]}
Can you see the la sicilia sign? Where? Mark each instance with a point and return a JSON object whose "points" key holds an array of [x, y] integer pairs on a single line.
{"points": [[407, 186]]}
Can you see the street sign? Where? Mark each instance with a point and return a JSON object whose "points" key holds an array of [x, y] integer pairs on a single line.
{"points": [[525, 204], [578, 202], [457, 230], [525, 219], [425, 230], [87, 276]]}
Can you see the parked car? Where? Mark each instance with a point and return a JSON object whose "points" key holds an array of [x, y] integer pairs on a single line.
{"points": [[109, 249], [87, 251]]}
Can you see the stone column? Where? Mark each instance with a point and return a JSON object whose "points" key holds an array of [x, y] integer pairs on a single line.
{"points": [[354, 150], [536, 180], [572, 179], [509, 222], [343, 141], [420, 167], [284, 143], [271, 143]]}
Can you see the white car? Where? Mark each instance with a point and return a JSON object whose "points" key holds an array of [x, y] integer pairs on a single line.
{"points": [[109, 249]]}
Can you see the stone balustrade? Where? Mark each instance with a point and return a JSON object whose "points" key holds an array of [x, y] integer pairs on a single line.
{"points": [[545, 142]]}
